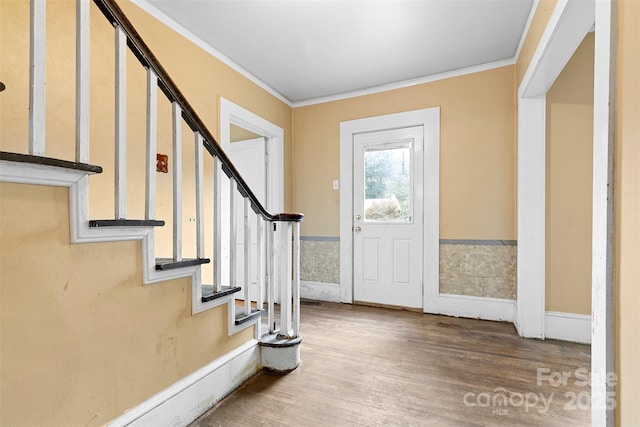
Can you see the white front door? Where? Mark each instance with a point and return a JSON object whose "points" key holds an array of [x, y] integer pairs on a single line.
{"points": [[388, 217]]}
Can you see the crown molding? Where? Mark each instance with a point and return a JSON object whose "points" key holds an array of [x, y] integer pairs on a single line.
{"points": [[407, 83], [163, 18]]}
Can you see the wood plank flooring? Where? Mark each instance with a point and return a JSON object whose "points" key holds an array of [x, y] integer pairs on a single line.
{"points": [[366, 366]]}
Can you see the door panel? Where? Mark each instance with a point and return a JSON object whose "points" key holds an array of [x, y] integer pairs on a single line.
{"points": [[387, 217]]}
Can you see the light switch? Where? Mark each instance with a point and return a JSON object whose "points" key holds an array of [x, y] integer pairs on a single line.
{"points": [[336, 184]]}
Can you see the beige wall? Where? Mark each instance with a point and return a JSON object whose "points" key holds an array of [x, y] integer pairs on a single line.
{"points": [[477, 153], [569, 184], [627, 249], [82, 339]]}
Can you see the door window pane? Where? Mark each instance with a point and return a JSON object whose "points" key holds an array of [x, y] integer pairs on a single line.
{"points": [[387, 180]]}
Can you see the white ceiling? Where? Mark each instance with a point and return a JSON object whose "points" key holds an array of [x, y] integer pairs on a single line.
{"points": [[308, 49]]}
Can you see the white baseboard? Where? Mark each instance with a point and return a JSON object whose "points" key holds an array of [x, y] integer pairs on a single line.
{"points": [[567, 327], [192, 396], [475, 307], [320, 291]]}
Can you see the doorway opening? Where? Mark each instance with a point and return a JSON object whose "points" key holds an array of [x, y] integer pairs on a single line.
{"points": [[255, 147]]}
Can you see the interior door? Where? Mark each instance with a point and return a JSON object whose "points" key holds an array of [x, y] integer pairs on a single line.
{"points": [[250, 158], [388, 217]]}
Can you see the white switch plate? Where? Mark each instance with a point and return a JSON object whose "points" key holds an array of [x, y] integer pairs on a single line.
{"points": [[336, 184]]}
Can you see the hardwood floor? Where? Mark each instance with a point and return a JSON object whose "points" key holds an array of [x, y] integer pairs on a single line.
{"points": [[365, 366]]}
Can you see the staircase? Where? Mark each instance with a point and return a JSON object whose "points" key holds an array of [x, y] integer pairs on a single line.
{"points": [[277, 255]]}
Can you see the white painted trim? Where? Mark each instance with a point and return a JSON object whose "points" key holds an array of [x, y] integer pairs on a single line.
{"points": [[567, 26], [37, 76], [296, 278], [476, 307], [429, 118], [531, 217], [177, 180], [320, 291], [121, 163], [431, 298], [152, 144], [233, 232], [31, 173], [567, 327], [407, 83], [184, 32], [199, 175], [193, 395], [604, 140], [82, 81], [217, 224], [569, 23], [231, 113]]}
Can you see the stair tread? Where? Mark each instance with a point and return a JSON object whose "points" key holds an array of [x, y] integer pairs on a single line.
{"points": [[244, 318], [96, 223], [208, 293], [49, 161], [164, 264]]}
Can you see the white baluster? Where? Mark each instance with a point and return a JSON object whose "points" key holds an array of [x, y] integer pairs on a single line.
{"points": [[284, 278], [217, 224], [37, 77], [177, 182], [199, 206], [271, 276], [152, 143], [296, 278], [260, 261], [233, 233], [247, 259], [121, 125], [82, 81]]}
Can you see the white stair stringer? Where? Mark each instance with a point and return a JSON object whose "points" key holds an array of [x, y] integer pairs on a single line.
{"points": [[78, 184]]}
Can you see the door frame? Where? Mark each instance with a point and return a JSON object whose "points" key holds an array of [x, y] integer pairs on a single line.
{"points": [[231, 113], [429, 118], [567, 26]]}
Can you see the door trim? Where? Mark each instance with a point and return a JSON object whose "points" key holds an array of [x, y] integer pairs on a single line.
{"points": [[231, 113], [567, 26], [429, 118]]}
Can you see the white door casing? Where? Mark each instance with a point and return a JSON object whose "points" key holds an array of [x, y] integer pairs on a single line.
{"points": [[387, 206], [567, 26], [429, 119]]}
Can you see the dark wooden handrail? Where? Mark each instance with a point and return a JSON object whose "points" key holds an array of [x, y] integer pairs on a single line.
{"points": [[139, 48]]}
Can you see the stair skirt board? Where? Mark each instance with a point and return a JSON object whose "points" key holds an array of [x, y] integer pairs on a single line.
{"points": [[190, 397]]}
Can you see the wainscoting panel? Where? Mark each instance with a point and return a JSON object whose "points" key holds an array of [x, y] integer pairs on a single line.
{"points": [[480, 268]]}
